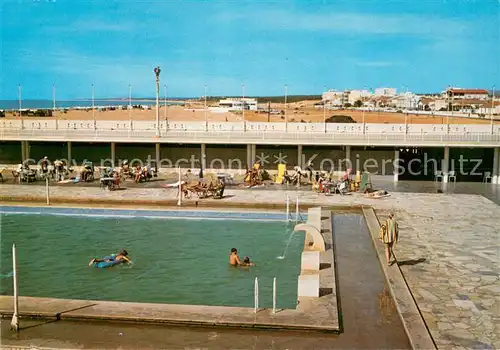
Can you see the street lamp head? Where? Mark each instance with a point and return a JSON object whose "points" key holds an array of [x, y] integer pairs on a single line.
{"points": [[157, 71]]}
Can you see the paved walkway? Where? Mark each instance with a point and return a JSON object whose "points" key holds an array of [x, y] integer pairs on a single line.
{"points": [[448, 252]]}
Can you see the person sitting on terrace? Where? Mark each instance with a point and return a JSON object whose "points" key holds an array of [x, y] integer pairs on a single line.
{"points": [[86, 171], [116, 177], [45, 164], [125, 169], [377, 193], [138, 174]]}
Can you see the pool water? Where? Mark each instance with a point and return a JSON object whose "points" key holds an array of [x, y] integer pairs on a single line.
{"points": [[176, 261]]}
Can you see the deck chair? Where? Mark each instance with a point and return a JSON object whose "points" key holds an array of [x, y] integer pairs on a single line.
{"points": [[280, 177], [366, 182]]}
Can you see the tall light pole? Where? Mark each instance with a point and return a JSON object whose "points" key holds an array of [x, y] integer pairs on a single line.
{"points": [[286, 115], [93, 108], [324, 110], [54, 104], [243, 106], [492, 106], [165, 102], [19, 94], [130, 105], [406, 105], [157, 71], [363, 106], [449, 106], [205, 109]]}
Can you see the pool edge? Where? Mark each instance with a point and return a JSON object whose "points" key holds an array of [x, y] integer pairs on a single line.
{"points": [[165, 314], [413, 322]]}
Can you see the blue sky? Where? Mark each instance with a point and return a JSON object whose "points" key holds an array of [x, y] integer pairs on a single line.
{"points": [[426, 45]]}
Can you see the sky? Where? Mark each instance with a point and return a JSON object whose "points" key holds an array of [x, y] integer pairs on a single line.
{"points": [[306, 45]]}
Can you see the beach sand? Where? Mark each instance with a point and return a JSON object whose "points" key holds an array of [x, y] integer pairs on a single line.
{"points": [[296, 112]]}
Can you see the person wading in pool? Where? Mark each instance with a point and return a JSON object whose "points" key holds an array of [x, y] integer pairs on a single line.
{"points": [[234, 259], [121, 256]]}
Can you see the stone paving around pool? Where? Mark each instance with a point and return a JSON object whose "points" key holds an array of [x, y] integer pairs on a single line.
{"points": [[449, 249]]}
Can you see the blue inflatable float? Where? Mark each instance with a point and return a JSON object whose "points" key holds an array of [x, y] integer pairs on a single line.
{"points": [[105, 262]]}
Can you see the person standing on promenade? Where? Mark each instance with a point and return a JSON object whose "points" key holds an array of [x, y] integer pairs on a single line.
{"points": [[389, 234]]}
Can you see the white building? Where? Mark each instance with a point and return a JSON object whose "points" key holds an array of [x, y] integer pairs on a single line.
{"points": [[385, 91], [332, 97], [457, 93], [406, 100], [238, 104], [358, 95]]}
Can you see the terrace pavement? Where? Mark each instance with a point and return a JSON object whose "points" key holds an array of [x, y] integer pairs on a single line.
{"points": [[449, 248]]}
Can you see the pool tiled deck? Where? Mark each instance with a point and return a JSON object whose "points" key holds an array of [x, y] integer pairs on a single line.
{"points": [[449, 248]]}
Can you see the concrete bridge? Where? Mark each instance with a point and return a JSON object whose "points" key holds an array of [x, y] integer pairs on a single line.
{"points": [[386, 139]]}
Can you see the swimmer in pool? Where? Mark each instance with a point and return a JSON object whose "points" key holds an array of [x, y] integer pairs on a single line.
{"points": [[234, 259], [121, 256], [246, 262]]}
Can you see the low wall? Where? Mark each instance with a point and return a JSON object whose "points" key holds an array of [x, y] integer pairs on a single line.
{"points": [[351, 128]]}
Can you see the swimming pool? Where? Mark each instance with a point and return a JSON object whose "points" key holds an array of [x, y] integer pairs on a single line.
{"points": [[180, 257]]}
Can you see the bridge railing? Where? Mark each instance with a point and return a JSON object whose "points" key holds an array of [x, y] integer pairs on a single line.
{"points": [[240, 136]]}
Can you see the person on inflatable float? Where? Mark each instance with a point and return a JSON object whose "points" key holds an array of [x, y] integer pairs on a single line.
{"points": [[121, 256]]}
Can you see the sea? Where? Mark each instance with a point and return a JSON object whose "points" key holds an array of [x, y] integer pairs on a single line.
{"points": [[48, 104]]}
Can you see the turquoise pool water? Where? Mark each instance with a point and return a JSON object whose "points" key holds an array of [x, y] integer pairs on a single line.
{"points": [[178, 261]]}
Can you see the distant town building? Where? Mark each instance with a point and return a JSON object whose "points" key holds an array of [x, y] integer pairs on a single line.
{"points": [[385, 91], [358, 95], [406, 100], [458, 93], [238, 104], [332, 97]]}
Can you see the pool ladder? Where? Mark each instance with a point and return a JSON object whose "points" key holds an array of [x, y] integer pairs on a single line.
{"points": [[256, 295]]}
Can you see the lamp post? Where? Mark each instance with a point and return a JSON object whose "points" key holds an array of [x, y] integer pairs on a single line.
{"points": [[492, 106], [93, 108], [363, 106], [157, 71], [165, 102], [406, 105], [54, 104], [449, 92], [205, 109], [243, 106], [19, 95], [130, 105], [324, 110], [286, 115], [166, 108]]}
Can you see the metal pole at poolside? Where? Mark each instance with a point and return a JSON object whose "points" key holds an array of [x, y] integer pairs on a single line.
{"points": [[256, 295], [14, 324], [274, 295], [47, 189], [179, 200]]}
